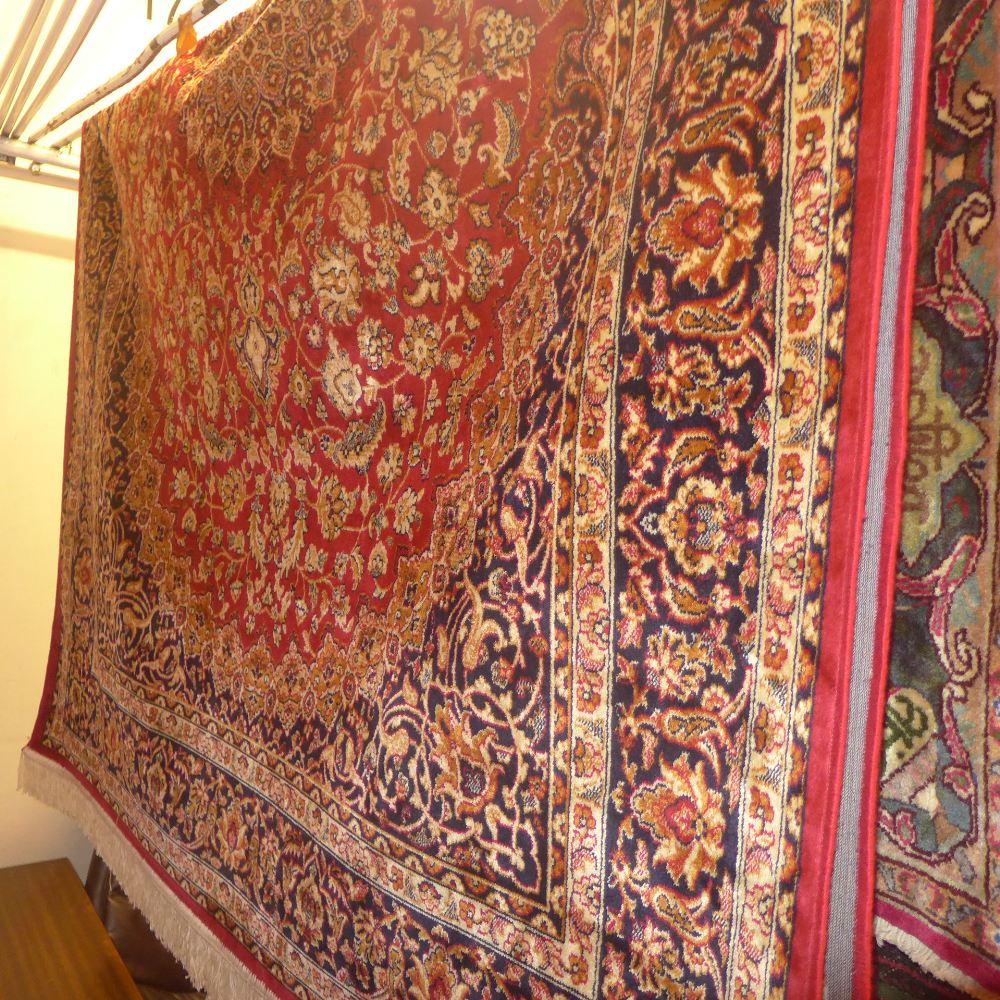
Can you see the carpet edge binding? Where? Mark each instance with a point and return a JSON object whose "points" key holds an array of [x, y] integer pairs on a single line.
{"points": [[209, 963]]}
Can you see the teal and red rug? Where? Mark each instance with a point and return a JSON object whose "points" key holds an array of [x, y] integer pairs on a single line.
{"points": [[484, 472]]}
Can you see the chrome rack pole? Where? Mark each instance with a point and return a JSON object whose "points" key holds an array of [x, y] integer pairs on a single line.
{"points": [[30, 17], [45, 50], [38, 154], [41, 11], [79, 37], [151, 51]]}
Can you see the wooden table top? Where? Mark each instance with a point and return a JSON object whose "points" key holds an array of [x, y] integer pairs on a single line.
{"points": [[52, 943]]}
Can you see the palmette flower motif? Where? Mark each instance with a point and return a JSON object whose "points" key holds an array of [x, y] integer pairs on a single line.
{"points": [[340, 379], [336, 280], [390, 465], [686, 377], [678, 664], [467, 770], [232, 493], [506, 38], [279, 496], [300, 385], [407, 515], [419, 346], [230, 840], [712, 224], [684, 815], [497, 28], [354, 214], [790, 560], [434, 979], [654, 960], [373, 342], [378, 560], [333, 507], [434, 71], [483, 272], [438, 200], [705, 527], [309, 907]]}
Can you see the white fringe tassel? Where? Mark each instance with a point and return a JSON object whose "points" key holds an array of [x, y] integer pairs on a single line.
{"points": [[211, 966], [929, 960]]}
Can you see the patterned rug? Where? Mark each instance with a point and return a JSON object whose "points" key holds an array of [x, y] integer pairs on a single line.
{"points": [[938, 892], [462, 497]]}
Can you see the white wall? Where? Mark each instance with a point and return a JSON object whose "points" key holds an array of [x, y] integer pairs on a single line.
{"points": [[37, 230]]}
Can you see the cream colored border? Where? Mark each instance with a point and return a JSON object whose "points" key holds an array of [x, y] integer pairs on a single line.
{"points": [[929, 960], [209, 963], [759, 912]]}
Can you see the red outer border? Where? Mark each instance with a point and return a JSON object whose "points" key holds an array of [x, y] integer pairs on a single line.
{"points": [[224, 937], [967, 962], [864, 916], [872, 199]]}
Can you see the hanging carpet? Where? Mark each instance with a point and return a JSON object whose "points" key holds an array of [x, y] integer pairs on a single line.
{"points": [[470, 419]]}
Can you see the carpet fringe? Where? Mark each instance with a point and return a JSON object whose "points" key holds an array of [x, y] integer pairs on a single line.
{"points": [[209, 964], [928, 959]]}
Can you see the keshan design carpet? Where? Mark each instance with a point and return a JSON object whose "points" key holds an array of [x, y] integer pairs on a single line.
{"points": [[939, 810], [469, 421]]}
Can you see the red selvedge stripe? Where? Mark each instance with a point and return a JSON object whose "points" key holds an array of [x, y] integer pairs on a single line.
{"points": [[864, 968], [872, 197], [963, 959]]}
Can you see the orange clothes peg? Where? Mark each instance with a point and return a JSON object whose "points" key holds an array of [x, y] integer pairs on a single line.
{"points": [[186, 38]]}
